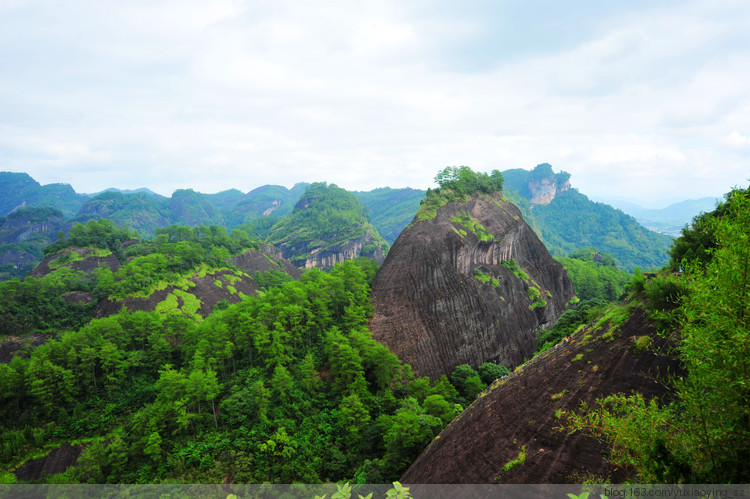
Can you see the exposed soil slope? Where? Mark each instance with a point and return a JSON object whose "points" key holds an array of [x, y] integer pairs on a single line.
{"points": [[443, 298], [519, 411]]}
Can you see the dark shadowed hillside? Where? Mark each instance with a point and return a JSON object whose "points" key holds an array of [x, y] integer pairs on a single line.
{"points": [[510, 433]]}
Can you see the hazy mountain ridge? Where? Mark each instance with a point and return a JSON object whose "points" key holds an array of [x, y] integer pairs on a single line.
{"points": [[567, 222], [669, 220]]}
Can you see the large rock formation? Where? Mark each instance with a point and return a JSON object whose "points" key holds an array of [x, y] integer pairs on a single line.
{"points": [[327, 226], [472, 285], [524, 411]]}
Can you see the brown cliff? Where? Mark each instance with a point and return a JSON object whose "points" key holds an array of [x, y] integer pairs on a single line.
{"points": [[520, 411], [443, 298]]}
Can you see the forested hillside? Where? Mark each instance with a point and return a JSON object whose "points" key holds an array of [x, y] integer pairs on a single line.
{"points": [[567, 221], [390, 210], [285, 386], [328, 225]]}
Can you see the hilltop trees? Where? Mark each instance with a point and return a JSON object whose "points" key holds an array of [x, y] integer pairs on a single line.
{"points": [[463, 180]]}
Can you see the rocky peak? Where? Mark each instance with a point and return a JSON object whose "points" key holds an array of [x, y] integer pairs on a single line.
{"points": [[544, 185], [472, 285]]}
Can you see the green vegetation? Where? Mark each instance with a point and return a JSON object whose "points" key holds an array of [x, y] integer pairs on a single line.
{"points": [[258, 391], [569, 322], [519, 460], [516, 269], [482, 277], [102, 234], [468, 383], [701, 435], [571, 222], [595, 275], [557, 396], [489, 372], [326, 215], [473, 225], [456, 183]]}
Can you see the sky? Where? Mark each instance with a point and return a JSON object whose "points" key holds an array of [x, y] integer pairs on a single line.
{"points": [[647, 101]]}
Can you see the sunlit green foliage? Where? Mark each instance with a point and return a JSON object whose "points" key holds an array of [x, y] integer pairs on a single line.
{"points": [[595, 275], [287, 386], [326, 215]]}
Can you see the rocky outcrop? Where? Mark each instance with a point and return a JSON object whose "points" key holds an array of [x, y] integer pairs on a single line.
{"points": [[443, 297], [544, 185], [57, 461], [84, 260], [519, 411], [205, 289], [209, 289], [327, 257], [266, 258]]}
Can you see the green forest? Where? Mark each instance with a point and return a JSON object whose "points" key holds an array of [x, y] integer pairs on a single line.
{"points": [[286, 386]]}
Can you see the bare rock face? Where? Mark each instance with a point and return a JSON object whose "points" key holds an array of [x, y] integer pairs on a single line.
{"points": [[267, 258], [524, 411], [347, 250], [57, 461], [443, 297]]}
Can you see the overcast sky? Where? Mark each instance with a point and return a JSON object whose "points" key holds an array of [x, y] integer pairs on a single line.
{"points": [[643, 100]]}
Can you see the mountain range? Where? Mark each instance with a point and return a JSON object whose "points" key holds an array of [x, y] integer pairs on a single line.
{"points": [[465, 356], [564, 219]]}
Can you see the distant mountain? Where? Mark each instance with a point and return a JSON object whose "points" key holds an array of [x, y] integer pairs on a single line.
{"points": [[191, 208], [566, 220], [327, 226], [23, 236], [142, 212], [669, 220], [142, 190], [225, 200], [266, 201], [391, 210], [20, 190]]}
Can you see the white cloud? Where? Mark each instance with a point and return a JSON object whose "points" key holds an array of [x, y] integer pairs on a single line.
{"points": [[736, 139], [213, 95]]}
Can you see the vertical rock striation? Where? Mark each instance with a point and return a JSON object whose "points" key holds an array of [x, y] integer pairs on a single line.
{"points": [[443, 297]]}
